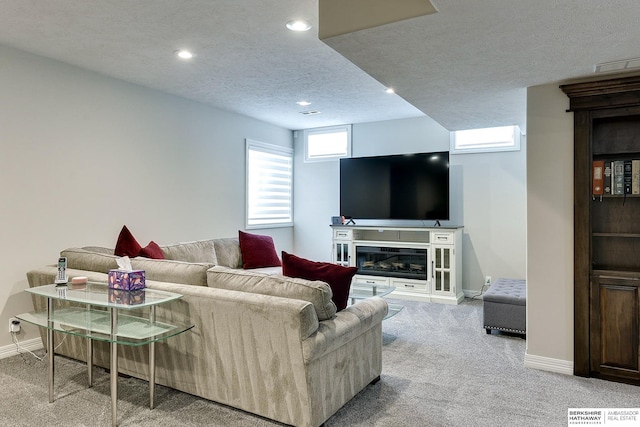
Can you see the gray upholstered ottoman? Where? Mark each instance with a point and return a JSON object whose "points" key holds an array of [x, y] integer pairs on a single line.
{"points": [[505, 305]]}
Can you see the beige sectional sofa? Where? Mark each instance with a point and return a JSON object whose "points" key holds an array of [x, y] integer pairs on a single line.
{"points": [[263, 343]]}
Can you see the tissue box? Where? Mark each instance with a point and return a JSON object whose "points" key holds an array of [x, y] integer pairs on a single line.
{"points": [[126, 280], [118, 296]]}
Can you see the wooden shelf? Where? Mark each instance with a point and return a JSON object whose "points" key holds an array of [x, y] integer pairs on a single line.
{"points": [[618, 235]]}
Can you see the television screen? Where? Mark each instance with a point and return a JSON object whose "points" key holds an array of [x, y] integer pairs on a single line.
{"points": [[409, 187]]}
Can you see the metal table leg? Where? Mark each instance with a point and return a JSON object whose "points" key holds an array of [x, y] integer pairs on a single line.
{"points": [[89, 355], [152, 362], [50, 346], [114, 366], [90, 361]]}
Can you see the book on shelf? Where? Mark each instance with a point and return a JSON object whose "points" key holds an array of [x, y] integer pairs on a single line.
{"points": [[617, 177], [635, 177], [627, 176], [607, 176], [598, 177]]}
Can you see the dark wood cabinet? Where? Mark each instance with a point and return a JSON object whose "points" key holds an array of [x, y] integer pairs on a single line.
{"points": [[606, 232], [614, 327]]}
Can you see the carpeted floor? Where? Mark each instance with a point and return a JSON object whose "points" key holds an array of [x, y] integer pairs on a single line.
{"points": [[440, 368]]}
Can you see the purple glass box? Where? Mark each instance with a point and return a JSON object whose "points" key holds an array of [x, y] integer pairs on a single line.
{"points": [[126, 280]]}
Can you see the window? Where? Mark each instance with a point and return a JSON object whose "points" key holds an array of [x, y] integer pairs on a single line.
{"points": [[269, 185], [504, 138], [328, 143]]}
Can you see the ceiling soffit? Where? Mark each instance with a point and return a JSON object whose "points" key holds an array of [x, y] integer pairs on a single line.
{"points": [[337, 17]]}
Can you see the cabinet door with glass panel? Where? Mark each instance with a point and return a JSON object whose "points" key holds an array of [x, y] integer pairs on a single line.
{"points": [[442, 270], [342, 247]]}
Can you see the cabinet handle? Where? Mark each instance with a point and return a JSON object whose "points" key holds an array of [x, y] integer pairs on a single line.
{"points": [[432, 268], [370, 281], [406, 285]]}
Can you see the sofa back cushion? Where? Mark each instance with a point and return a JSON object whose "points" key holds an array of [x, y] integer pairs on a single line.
{"points": [[90, 259], [95, 259], [197, 251], [228, 252], [164, 270], [316, 292]]}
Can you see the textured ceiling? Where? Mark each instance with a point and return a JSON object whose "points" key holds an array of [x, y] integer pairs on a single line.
{"points": [[466, 66], [469, 65]]}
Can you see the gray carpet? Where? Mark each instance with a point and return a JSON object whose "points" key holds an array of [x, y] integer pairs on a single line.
{"points": [[440, 368]]}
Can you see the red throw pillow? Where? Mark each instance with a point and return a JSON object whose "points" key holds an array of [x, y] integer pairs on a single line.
{"points": [[257, 251], [127, 245], [337, 276], [152, 250]]}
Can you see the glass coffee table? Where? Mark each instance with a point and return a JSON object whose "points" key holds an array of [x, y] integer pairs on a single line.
{"points": [[103, 314], [360, 290]]}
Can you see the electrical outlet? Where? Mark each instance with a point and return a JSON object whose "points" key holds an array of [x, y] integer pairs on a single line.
{"points": [[487, 280], [14, 325]]}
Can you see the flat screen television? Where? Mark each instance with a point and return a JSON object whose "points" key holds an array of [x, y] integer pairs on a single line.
{"points": [[404, 187]]}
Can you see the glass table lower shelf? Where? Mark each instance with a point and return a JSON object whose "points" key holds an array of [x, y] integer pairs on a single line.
{"points": [[365, 290]]}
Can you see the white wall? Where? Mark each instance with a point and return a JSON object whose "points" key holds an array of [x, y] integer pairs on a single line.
{"points": [[550, 225], [487, 197], [83, 154]]}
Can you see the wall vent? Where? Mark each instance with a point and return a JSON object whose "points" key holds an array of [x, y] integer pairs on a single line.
{"points": [[622, 65]]}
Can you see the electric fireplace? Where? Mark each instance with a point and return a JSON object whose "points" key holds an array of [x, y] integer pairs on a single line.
{"points": [[407, 263]]}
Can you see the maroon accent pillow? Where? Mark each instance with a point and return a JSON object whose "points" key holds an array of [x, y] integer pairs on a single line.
{"points": [[127, 245], [337, 276], [152, 250], [257, 251]]}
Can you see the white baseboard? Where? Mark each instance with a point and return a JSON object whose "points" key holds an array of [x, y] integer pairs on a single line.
{"points": [[11, 350], [548, 364]]}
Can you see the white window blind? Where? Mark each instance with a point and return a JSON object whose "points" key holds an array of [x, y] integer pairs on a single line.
{"points": [[269, 185]]}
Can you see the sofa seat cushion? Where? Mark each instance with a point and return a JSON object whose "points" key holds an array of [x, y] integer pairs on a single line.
{"points": [[268, 270], [316, 292]]}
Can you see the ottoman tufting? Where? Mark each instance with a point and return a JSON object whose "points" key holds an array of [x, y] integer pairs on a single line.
{"points": [[505, 305]]}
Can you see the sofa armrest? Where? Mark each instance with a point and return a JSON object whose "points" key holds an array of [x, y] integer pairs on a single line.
{"points": [[346, 325]]}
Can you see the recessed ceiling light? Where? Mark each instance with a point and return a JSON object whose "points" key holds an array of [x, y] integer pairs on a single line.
{"points": [[184, 54], [390, 90], [303, 103], [299, 25]]}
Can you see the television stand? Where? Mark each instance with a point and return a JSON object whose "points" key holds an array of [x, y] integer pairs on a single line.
{"points": [[421, 263]]}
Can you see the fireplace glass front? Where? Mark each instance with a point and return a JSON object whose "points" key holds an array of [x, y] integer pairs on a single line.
{"points": [[407, 263]]}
